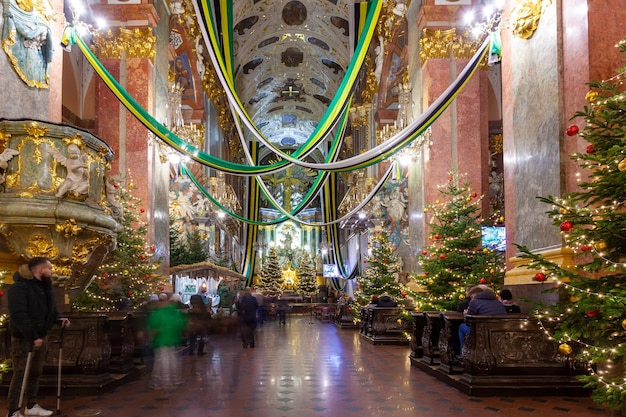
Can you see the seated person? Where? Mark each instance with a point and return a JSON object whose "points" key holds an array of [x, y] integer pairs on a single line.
{"points": [[506, 298], [386, 301], [483, 303], [462, 305]]}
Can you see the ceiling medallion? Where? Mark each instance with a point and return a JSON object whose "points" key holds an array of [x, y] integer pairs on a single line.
{"points": [[292, 57], [294, 13]]}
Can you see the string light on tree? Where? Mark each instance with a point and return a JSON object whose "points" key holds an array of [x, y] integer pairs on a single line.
{"points": [[591, 318]]}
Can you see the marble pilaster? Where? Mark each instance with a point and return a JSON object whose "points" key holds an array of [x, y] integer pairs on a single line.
{"points": [[532, 126]]}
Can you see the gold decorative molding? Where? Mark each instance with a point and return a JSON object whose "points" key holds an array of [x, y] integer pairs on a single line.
{"points": [[520, 274], [34, 130], [69, 228], [371, 82], [446, 44], [135, 43], [525, 17], [40, 246], [4, 138], [496, 143]]}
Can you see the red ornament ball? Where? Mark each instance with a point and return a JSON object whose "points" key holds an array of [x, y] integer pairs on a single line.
{"points": [[424, 252], [586, 248], [426, 273], [106, 275], [1, 293], [474, 195], [365, 261], [540, 277], [566, 226], [442, 256], [450, 178], [590, 149], [147, 276], [152, 248], [142, 210], [143, 257], [130, 293], [161, 288], [572, 130], [437, 236], [116, 185], [592, 313], [483, 280], [403, 294]]}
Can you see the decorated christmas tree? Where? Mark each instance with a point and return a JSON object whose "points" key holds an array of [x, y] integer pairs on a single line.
{"points": [[455, 257], [127, 275], [271, 275], [381, 275], [307, 281], [590, 318]]}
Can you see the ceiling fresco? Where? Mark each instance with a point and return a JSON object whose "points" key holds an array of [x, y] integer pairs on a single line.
{"points": [[290, 58]]}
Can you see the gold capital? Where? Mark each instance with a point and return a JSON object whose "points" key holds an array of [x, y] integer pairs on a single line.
{"points": [[446, 44], [135, 43]]}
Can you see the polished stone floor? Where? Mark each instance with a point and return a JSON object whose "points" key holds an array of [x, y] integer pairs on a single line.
{"points": [[304, 369]]}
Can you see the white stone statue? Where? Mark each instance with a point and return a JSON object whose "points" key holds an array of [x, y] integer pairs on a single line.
{"points": [[5, 157], [77, 179]]}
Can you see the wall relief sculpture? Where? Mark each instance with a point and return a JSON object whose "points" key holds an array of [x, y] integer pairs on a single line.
{"points": [[27, 40]]}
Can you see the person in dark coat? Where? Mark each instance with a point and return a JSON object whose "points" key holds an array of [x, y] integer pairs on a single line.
{"points": [[198, 317], [506, 298], [246, 312], [464, 304], [483, 303], [32, 312]]}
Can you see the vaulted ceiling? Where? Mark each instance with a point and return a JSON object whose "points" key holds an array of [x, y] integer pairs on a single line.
{"points": [[290, 58]]}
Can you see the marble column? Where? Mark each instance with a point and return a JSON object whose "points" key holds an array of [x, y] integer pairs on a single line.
{"points": [[459, 139], [129, 53]]}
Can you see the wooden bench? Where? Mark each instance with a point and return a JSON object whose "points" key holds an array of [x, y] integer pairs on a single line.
{"points": [[502, 355], [379, 325]]}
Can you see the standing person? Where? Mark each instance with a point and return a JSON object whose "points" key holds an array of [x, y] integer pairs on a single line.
{"points": [[246, 313], [32, 312], [166, 325], [199, 317], [260, 313]]}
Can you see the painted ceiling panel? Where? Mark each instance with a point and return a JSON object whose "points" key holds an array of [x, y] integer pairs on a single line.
{"points": [[291, 56]]}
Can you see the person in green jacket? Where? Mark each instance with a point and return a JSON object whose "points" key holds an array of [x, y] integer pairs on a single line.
{"points": [[166, 325]]}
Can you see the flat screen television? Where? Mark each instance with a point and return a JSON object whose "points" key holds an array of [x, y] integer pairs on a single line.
{"points": [[330, 271], [494, 237]]}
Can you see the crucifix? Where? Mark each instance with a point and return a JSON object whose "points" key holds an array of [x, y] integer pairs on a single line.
{"points": [[291, 92]]}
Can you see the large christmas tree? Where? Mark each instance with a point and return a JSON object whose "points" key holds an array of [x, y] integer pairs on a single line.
{"points": [[271, 275], [307, 280], [128, 273], [455, 258], [590, 319], [381, 275]]}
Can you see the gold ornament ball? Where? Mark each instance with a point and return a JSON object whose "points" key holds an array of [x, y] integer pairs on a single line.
{"points": [[399, 321], [437, 202], [485, 250], [622, 165], [574, 299], [591, 96], [600, 245], [431, 282], [425, 210], [563, 211], [565, 349], [624, 324]]}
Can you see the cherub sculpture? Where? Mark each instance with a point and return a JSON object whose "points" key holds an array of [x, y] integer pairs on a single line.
{"points": [[5, 157], [77, 179]]}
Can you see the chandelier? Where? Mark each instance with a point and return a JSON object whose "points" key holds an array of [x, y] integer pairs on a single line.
{"points": [[224, 194], [192, 134]]}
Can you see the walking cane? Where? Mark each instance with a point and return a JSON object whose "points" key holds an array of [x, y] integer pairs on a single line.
{"points": [[29, 359], [59, 373]]}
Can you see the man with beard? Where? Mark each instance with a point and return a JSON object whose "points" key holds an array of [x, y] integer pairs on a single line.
{"points": [[32, 313]]}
